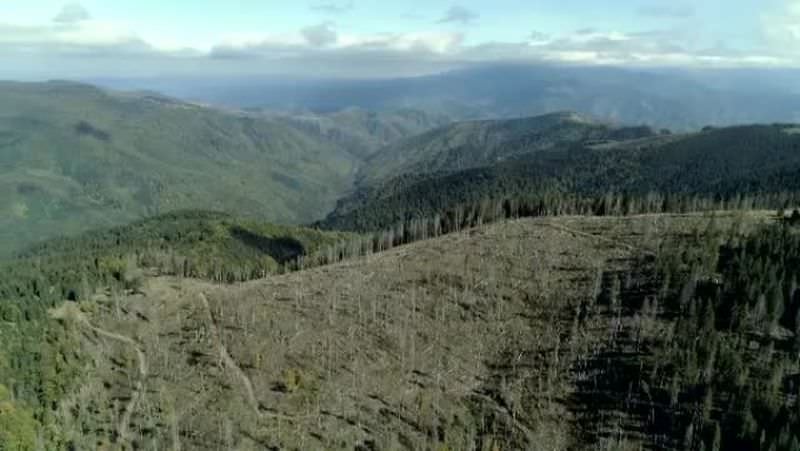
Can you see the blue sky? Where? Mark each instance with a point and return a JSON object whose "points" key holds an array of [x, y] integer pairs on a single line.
{"points": [[374, 38]]}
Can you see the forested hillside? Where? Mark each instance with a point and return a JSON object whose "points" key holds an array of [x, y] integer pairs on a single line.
{"points": [[724, 372], [467, 145], [720, 168], [74, 157]]}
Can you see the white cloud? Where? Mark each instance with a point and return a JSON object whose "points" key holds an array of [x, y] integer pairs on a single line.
{"points": [[650, 48], [324, 38], [72, 13], [781, 27], [320, 35], [429, 42], [458, 14], [58, 37], [98, 48], [537, 37], [71, 32]]}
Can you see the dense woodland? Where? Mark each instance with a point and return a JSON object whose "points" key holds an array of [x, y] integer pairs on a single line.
{"points": [[721, 370], [738, 167]]}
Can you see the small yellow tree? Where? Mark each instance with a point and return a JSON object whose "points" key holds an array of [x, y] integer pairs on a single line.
{"points": [[17, 426]]}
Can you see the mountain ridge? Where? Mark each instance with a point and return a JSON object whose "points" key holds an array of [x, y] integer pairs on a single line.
{"points": [[718, 165], [472, 144], [678, 100]]}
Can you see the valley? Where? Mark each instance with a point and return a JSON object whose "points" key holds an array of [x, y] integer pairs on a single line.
{"points": [[74, 158]]}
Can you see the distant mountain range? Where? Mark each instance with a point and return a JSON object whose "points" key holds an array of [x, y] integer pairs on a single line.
{"points": [[679, 100]]}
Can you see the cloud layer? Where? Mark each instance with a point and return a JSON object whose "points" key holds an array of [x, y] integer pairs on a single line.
{"points": [[79, 45], [72, 13], [458, 14]]}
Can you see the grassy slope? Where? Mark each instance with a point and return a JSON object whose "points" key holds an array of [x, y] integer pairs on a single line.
{"points": [[454, 343], [73, 157]]}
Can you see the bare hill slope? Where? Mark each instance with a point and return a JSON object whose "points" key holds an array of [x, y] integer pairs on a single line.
{"points": [[477, 340]]}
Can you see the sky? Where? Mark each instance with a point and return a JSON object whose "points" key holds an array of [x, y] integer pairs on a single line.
{"points": [[45, 39]]}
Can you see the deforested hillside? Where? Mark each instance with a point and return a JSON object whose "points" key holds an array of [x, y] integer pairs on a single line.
{"points": [[717, 168], [40, 361], [467, 145], [561, 333], [74, 157]]}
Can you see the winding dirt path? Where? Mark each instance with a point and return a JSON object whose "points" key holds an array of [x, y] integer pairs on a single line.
{"points": [[231, 364], [125, 421], [227, 359], [69, 310]]}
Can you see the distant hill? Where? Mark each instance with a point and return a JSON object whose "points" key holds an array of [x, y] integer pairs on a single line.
{"points": [[362, 132], [188, 243], [717, 163], [467, 145], [74, 157]]}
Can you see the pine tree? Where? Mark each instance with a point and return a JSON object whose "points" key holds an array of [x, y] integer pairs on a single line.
{"points": [[688, 438], [759, 312], [797, 331], [775, 307], [708, 404]]}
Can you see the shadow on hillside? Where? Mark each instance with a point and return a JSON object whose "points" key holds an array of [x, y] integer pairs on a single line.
{"points": [[84, 128], [282, 249], [612, 402]]}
